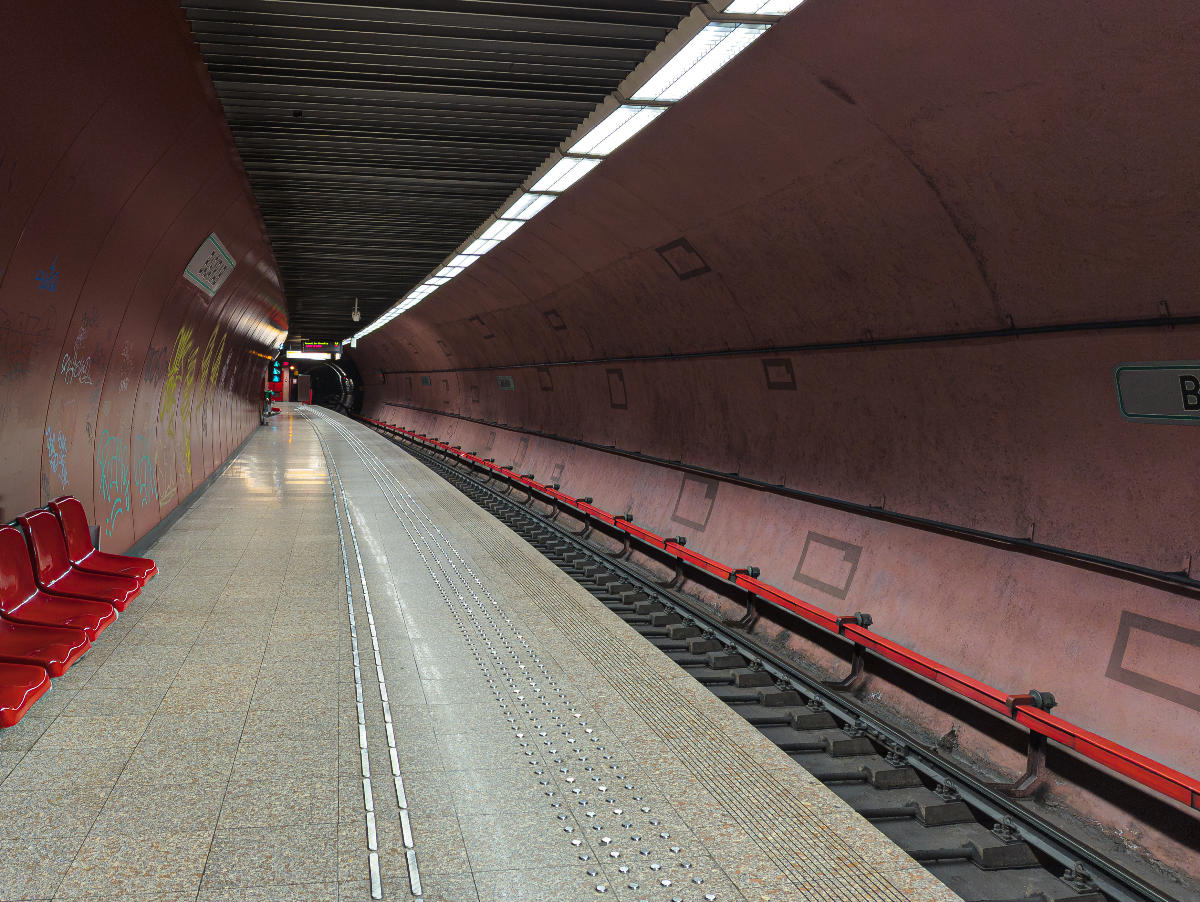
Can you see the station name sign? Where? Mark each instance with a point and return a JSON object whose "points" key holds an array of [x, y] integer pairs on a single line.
{"points": [[1167, 392], [210, 266]]}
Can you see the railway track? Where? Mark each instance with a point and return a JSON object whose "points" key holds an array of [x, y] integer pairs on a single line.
{"points": [[980, 843]]}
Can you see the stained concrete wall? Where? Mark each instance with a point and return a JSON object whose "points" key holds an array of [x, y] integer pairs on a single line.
{"points": [[1009, 181], [120, 381]]}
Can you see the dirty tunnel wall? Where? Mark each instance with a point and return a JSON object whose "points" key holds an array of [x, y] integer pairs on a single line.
{"points": [[121, 382], [931, 231]]}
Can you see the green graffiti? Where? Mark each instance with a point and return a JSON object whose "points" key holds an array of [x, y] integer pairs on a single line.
{"points": [[113, 456]]}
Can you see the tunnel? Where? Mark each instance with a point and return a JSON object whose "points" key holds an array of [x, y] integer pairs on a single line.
{"points": [[837, 358]]}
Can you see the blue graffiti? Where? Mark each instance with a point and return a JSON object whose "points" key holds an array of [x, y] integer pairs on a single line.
{"points": [[48, 281], [113, 456], [145, 476], [56, 449]]}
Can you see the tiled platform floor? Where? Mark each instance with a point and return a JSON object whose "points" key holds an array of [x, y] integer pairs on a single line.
{"points": [[208, 747]]}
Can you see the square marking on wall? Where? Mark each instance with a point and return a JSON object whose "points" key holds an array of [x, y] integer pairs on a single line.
{"points": [[828, 564], [545, 380], [1157, 657], [522, 451], [779, 373], [683, 259], [425, 380], [474, 394], [555, 321], [491, 441], [616, 389], [445, 348], [556, 473], [483, 327], [694, 506], [506, 383]]}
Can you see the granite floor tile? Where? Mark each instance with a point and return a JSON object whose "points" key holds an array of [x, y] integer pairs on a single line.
{"points": [[534, 884], [299, 892], [303, 726], [178, 727], [48, 769], [279, 803], [231, 698], [33, 867], [495, 841], [94, 732], [67, 811], [284, 760], [111, 702], [448, 887], [270, 695], [21, 736], [270, 856], [121, 864], [151, 808], [170, 762]]}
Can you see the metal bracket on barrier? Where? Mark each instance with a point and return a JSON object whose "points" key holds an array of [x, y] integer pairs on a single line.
{"points": [[677, 579], [1035, 753], [626, 539], [752, 612], [858, 656]]}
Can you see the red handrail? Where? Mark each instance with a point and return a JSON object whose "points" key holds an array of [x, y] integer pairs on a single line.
{"points": [[1145, 771]]}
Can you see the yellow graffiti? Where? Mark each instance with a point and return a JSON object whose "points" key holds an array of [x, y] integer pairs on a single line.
{"points": [[186, 384]]}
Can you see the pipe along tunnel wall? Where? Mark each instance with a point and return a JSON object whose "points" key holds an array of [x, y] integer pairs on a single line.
{"points": [[121, 382], [1010, 181]]}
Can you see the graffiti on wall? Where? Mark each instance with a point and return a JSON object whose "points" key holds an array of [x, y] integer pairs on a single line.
{"points": [[144, 474], [189, 381], [47, 279], [113, 456], [56, 450], [75, 367]]}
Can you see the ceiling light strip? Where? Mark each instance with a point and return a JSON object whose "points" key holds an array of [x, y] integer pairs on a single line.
{"points": [[663, 79]]}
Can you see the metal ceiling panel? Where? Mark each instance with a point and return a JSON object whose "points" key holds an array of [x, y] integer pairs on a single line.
{"points": [[378, 137]]}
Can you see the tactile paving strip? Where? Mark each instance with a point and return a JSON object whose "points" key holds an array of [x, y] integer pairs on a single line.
{"points": [[796, 839]]}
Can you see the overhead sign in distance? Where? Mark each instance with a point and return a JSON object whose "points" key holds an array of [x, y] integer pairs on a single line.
{"points": [[210, 266], [1167, 392]]}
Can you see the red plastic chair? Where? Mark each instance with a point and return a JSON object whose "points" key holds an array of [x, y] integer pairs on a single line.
{"points": [[53, 570], [84, 555], [21, 601], [54, 648], [20, 686]]}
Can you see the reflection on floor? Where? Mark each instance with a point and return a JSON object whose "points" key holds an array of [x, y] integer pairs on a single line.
{"points": [[468, 724]]}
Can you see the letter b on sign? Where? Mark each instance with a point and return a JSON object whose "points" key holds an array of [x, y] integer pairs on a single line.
{"points": [[1189, 388]]}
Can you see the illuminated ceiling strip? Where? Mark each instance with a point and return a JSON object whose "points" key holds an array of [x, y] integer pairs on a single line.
{"points": [[715, 43]]}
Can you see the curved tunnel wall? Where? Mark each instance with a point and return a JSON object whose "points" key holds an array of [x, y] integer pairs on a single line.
{"points": [[865, 175], [120, 381]]}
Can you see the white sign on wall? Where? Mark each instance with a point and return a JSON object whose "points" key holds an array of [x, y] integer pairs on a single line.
{"points": [[210, 266], [1159, 392]]}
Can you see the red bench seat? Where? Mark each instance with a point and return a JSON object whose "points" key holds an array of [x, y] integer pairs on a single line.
{"points": [[22, 601], [85, 556], [20, 686], [54, 648], [53, 570]]}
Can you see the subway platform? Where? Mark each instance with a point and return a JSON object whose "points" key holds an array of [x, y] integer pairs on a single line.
{"points": [[348, 682]]}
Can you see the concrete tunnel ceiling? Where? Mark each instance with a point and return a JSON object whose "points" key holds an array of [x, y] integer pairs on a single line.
{"points": [[378, 137]]}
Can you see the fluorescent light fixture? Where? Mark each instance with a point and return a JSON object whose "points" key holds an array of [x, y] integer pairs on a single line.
{"points": [[715, 45], [437, 280], [759, 8], [624, 122], [501, 229], [308, 355], [527, 206], [480, 246], [565, 173], [449, 272], [462, 261]]}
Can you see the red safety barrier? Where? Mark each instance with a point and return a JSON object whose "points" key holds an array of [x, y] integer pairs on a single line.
{"points": [[1128, 763]]}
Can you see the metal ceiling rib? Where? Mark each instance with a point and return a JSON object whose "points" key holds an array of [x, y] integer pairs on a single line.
{"points": [[378, 136]]}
